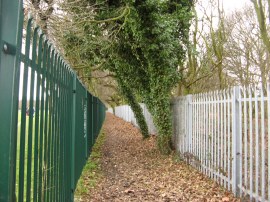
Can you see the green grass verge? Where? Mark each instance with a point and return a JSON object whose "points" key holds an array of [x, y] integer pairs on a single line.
{"points": [[91, 173]]}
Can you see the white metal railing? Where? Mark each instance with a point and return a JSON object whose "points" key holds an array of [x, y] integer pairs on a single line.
{"points": [[225, 135], [126, 113]]}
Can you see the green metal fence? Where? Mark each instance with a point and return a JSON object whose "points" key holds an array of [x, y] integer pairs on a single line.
{"points": [[46, 141]]}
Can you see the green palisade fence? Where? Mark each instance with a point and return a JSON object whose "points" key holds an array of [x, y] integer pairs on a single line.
{"points": [[47, 138]]}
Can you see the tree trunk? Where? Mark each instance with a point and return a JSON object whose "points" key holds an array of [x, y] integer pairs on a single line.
{"points": [[161, 113], [135, 106]]}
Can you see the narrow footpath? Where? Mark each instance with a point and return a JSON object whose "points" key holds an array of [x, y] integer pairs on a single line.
{"points": [[134, 170]]}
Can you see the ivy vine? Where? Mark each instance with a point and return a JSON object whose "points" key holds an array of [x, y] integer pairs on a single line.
{"points": [[143, 44]]}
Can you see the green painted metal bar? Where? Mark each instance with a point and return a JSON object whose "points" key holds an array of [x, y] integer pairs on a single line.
{"points": [[66, 140], [58, 138], [92, 122], [52, 117], [40, 180], [99, 116], [49, 152], [69, 192], [55, 135], [96, 119], [89, 123], [73, 138], [69, 99], [37, 118], [56, 143], [53, 138], [62, 110], [23, 114], [66, 137], [10, 41], [45, 152], [62, 139], [49, 118], [85, 125], [59, 142], [31, 114], [14, 142]]}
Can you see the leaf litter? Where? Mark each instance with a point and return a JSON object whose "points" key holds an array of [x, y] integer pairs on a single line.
{"points": [[134, 170]]}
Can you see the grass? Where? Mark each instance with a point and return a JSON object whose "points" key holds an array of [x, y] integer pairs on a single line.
{"points": [[91, 173], [25, 151], [19, 124]]}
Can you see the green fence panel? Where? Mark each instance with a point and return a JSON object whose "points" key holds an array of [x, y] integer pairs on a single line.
{"points": [[10, 46], [46, 141], [80, 134]]}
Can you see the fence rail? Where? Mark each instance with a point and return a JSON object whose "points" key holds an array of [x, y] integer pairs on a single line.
{"points": [[44, 144]]}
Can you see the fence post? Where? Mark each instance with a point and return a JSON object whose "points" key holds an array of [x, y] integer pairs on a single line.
{"points": [[73, 137], [189, 123], [86, 124], [175, 137], [236, 141], [92, 122], [11, 20]]}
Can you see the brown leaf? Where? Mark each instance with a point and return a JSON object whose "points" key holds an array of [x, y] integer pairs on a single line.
{"points": [[129, 191], [225, 199]]}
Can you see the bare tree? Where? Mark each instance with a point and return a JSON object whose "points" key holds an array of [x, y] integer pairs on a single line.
{"points": [[226, 50], [246, 55], [259, 7], [54, 19], [42, 9], [204, 69]]}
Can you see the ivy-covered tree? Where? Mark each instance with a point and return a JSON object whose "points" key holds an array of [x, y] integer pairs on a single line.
{"points": [[141, 42], [135, 106]]}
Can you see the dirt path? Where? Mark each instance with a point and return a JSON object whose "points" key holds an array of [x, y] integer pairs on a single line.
{"points": [[133, 170]]}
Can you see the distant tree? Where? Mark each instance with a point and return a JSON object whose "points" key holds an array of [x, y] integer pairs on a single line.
{"points": [[246, 56], [43, 10], [203, 69], [259, 7]]}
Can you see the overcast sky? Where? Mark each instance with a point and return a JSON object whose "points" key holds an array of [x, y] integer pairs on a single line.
{"points": [[230, 5]]}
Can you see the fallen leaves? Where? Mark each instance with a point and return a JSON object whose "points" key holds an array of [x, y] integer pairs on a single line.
{"points": [[226, 199], [134, 170], [129, 191]]}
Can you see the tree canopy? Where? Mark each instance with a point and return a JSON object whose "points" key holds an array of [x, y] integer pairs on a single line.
{"points": [[141, 42], [137, 48]]}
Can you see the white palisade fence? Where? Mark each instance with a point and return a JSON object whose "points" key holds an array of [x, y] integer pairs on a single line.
{"points": [[126, 113], [225, 135]]}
